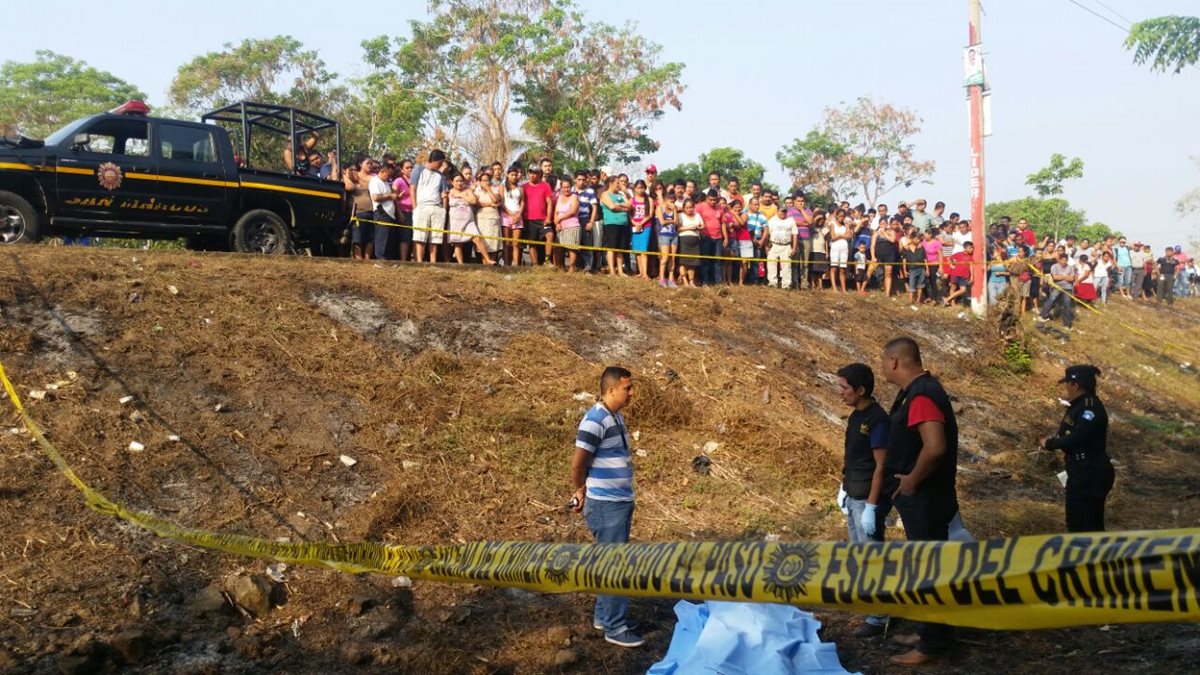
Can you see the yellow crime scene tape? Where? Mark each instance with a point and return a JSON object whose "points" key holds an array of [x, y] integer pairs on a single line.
{"points": [[1104, 313], [1045, 581], [604, 249]]}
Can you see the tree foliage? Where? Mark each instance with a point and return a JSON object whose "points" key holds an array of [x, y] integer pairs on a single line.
{"points": [[1049, 216], [1168, 43], [271, 70], [729, 162], [39, 97], [467, 60], [863, 150], [382, 115], [1048, 181], [593, 94]]}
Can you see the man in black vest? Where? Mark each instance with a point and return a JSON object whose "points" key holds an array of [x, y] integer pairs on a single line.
{"points": [[921, 461]]}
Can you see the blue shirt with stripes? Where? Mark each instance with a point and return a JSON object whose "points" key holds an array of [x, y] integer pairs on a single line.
{"points": [[604, 435]]}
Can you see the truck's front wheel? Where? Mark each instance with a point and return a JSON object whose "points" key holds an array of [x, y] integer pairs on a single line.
{"points": [[18, 220], [262, 231]]}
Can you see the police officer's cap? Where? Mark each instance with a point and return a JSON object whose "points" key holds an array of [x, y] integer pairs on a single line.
{"points": [[1083, 375]]}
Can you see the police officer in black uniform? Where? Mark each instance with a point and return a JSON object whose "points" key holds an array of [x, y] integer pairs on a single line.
{"points": [[1083, 438]]}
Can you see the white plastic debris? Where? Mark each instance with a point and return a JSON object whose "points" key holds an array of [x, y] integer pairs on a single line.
{"points": [[583, 396], [409, 464], [348, 460], [275, 571], [218, 407], [402, 582], [1062, 478], [637, 435], [126, 399], [173, 290], [37, 394], [296, 628], [549, 305], [640, 452], [174, 438], [711, 447], [136, 447]]}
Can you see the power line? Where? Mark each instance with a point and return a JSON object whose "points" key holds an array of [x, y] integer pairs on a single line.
{"points": [[1093, 12], [1114, 12]]}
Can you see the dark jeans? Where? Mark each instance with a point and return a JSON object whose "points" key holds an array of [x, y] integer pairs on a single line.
{"points": [[1088, 485], [1166, 288], [710, 270], [926, 517], [610, 523], [387, 237], [800, 267], [933, 287]]}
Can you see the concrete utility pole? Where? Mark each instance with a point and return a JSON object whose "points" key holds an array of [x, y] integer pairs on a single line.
{"points": [[978, 227]]}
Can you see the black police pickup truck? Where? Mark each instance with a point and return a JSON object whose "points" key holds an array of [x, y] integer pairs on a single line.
{"points": [[126, 174]]}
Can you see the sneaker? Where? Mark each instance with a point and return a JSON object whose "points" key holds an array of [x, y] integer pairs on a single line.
{"points": [[868, 630], [662, 282], [629, 625], [672, 284], [1039, 319], [625, 638]]}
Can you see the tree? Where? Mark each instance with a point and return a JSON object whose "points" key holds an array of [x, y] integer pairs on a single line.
{"points": [[271, 70], [40, 97], [592, 95], [729, 162], [1047, 215], [466, 62], [382, 115], [1168, 43], [863, 150], [1048, 181]]}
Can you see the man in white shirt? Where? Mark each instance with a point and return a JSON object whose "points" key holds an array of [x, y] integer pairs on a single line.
{"points": [[779, 237], [962, 234], [430, 190], [383, 198]]}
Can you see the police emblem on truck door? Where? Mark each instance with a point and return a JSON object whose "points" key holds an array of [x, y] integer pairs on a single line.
{"points": [[109, 175]]}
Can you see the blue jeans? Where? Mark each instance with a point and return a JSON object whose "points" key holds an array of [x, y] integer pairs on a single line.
{"points": [[1068, 304], [710, 270], [1102, 288], [1126, 278], [609, 523], [995, 287], [858, 536]]}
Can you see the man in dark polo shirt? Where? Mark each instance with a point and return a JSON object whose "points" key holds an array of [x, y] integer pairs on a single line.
{"points": [[865, 502], [921, 464]]}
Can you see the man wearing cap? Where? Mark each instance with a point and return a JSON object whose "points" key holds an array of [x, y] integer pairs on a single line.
{"points": [[1181, 280], [1083, 438], [651, 178], [1137, 276]]}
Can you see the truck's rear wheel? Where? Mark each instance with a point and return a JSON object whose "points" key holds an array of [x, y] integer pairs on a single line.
{"points": [[18, 220], [262, 231]]}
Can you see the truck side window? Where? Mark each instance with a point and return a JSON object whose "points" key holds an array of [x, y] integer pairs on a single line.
{"points": [[118, 137], [187, 144]]}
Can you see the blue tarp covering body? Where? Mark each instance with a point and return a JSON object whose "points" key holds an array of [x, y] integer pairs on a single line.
{"points": [[734, 638]]}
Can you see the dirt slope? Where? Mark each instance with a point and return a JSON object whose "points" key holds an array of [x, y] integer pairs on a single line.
{"points": [[457, 392]]}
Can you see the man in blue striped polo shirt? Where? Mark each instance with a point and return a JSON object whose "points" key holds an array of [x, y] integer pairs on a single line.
{"points": [[602, 476]]}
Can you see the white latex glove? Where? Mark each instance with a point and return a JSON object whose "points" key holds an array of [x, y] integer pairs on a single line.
{"points": [[841, 500], [868, 519]]}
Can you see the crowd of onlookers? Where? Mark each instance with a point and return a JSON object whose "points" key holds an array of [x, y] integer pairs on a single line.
{"points": [[680, 233]]}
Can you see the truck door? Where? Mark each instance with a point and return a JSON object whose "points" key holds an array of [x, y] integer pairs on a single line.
{"points": [[110, 176], [191, 176]]}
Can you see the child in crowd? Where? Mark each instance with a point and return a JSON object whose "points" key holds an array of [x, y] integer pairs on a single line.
{"points": [[860, 268]]}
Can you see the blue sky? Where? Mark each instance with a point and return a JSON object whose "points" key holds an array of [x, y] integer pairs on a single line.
{"points": [[1061, 80]]}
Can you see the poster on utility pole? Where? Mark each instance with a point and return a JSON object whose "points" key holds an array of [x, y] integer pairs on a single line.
{"points": [[973, 65]]}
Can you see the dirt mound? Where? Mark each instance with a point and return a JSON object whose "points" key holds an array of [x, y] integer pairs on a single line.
{"points": [[455, 394]]}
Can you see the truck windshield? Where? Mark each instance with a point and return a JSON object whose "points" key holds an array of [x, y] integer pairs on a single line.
{"points": [[65, 132]]}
